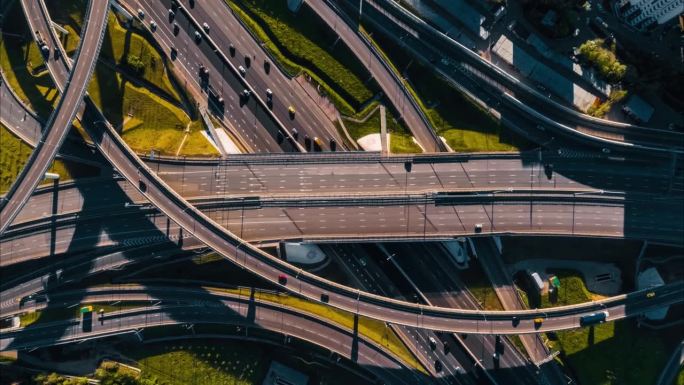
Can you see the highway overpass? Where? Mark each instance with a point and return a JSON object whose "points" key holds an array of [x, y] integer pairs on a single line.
{"points": [[59, 123], [163, 306], [310, 286], [459, 60]]}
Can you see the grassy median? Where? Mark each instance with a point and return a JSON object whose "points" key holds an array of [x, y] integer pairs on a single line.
{"points": [[141, 101], [480, 287], [401, 140], [465, 126], [310, 47]]}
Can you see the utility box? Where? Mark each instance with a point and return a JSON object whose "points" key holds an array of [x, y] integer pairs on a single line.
{"points": [[87, 318], [537, 282]]}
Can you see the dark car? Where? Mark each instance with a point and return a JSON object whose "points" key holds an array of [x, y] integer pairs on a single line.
{"points": [[438, 366], [282, 279]]}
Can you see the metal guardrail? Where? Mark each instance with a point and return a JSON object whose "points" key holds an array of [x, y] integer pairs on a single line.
{"points": [[255, 95], [397, 80], [515, 82], [63, 131], [238, 251]]}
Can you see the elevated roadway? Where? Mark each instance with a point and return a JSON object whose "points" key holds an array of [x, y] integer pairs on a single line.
{"points": [[451, 57], [230, 246], [226, 30], [188, 306], [247, 118], [61, 119], [390, 83], [353, 217]]}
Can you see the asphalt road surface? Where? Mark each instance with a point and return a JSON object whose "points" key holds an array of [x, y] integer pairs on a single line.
{"points": [[60, 121], [310, 286], [190, 306]]}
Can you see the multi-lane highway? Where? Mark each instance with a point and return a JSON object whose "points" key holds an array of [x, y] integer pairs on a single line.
{"points": [[403, 102], [207, 306], [358, 217], [308, 285], [60, 121], [451, 57], [437, 280], [247, 118]]}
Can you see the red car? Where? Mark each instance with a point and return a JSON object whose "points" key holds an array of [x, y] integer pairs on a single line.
{"points": [[282, 279]]}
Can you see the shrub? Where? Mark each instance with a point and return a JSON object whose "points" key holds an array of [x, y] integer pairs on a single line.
{"points": [[603, 59], [136, 64]]}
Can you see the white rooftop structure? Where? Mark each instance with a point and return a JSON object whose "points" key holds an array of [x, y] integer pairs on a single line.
{"points": [[304, 253], [531, 68]]}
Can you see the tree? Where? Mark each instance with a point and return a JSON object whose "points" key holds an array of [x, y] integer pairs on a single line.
{"points": [[603, 59]]}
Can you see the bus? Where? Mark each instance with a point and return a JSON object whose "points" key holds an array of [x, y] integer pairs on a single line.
{"points": [[594, 318]]}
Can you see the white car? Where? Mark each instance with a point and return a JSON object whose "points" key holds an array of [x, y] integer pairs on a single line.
{"points": [[242, 70], [206, 27]]}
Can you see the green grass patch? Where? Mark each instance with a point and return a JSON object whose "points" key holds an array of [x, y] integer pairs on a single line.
{"points": [[613, 353], [196, 143], [146, 121], [118, 45], [23, 65], [311, 47], [572, 290], [147, 113], [401, 140], [465, 126], [13, 156], [358, 130], [610, 353], [373, 329], [194, 362]]}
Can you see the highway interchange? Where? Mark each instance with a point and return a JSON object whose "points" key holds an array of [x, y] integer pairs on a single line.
{"points": [[401, 203]]}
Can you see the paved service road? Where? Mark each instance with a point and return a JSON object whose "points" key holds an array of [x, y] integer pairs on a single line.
{"points": [[60, 121]]}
